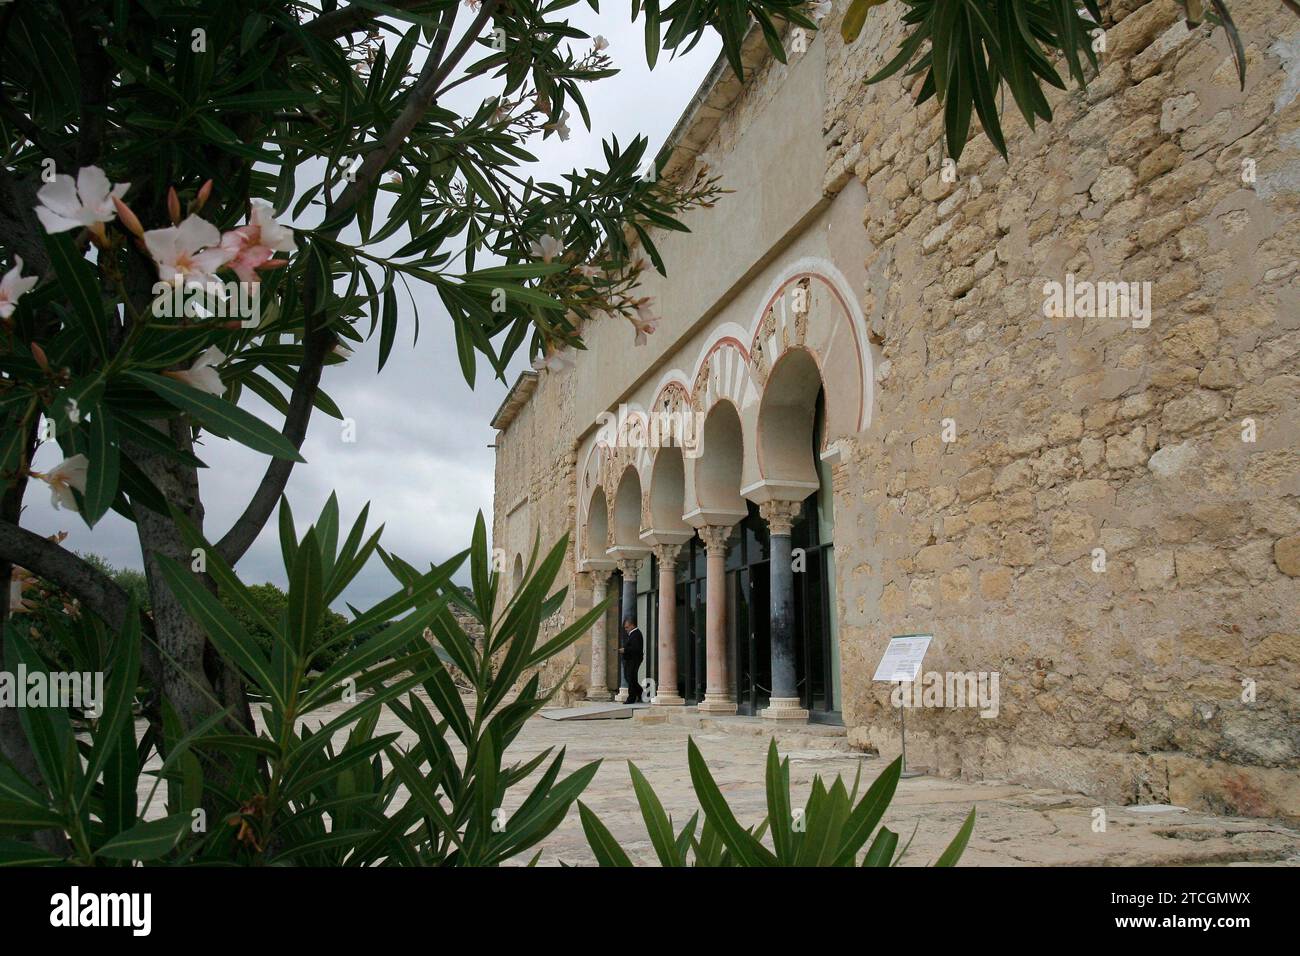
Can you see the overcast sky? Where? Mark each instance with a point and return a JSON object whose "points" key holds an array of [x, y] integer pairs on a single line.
{"points": [[421, 456]]}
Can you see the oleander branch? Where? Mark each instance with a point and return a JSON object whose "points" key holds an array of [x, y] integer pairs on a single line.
{"points": [[318, 340], [354, 18]]}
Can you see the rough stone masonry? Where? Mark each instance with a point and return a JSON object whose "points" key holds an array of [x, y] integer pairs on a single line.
{"points": [[1115, 525]]}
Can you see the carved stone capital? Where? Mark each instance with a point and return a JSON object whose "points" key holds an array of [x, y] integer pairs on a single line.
{"points": [[715, 537], [667, 554], [630, 567], [780, 515]]}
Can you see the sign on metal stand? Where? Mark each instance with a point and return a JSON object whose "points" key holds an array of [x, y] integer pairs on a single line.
{"points": [[901, 663]]}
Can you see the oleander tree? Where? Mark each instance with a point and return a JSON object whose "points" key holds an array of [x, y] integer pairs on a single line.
{"points": [[200, 200]]}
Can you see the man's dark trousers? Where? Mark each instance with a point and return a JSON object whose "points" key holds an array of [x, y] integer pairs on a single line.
{"points": [[633, 654]]}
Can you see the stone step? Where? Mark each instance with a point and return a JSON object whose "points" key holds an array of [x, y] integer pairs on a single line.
{"points": [[788, 736]]}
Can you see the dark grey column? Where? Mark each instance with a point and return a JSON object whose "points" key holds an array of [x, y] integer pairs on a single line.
{"points": [[782, 618], [784, 702]]}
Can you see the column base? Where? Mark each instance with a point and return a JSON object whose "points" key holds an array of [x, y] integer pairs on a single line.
{"points": [[716, 704], [668, 700], [598, 694], [784, 708]]}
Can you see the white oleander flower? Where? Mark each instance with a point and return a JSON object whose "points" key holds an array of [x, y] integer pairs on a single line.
{"points": [[12, 287], [203, 374], [87, 202], [547, 248], [63, 478], [561, 126], [189, 254]]}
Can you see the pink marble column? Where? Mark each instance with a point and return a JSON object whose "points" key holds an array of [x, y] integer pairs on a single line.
{"points": [[666, 688], [718, 696], [596, 689]]}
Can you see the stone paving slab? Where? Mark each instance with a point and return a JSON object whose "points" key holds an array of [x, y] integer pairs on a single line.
{"points": [[592, 712], [1015, 825]]}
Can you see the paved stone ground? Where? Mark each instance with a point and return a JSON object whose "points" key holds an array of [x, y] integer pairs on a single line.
{"points": [[1015, 825]]}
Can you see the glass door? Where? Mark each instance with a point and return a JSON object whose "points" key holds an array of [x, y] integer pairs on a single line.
{"points": [[690, 641]]}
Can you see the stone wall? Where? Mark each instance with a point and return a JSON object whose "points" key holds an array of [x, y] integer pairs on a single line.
{"points": [[535, 502], [1074, 439], [1076, 434]]}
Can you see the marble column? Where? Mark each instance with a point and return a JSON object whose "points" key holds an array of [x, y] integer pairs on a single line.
{"points": [[718, 695], [784, 702], [597, 690], [630, 568], [666, 688]]}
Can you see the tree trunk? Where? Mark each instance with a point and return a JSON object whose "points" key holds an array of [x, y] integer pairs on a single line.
{"points": [[197, 681]]}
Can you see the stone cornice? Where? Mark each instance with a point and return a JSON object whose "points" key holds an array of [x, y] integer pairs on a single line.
{"points": [[515, 399]]}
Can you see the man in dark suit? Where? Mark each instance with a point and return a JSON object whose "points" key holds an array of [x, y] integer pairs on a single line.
{"points": [[633, 654]]}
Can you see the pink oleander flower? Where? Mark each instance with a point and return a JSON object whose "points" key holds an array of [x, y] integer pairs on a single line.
{"points": [[644, 321], [189, 254], [600, 43], [556, 360], [253, 246], [63, 478], [590, 271], [547, 248], [562, 359], [87, 202], [12, 287], [20, 579], [203, 374]]}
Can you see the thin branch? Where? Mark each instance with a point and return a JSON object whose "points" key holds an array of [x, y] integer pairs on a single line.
{"points": [[93, 589], [318, 341], [353, 18], [96, 591]]}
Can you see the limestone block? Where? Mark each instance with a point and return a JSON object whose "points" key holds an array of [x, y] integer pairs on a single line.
{"points": [[1127, 451], [1154, 570], [1286, 552], [1197, 408]]}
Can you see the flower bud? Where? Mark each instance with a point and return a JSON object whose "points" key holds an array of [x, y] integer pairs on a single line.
{"points": [[128, 218], [202, 198]]}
